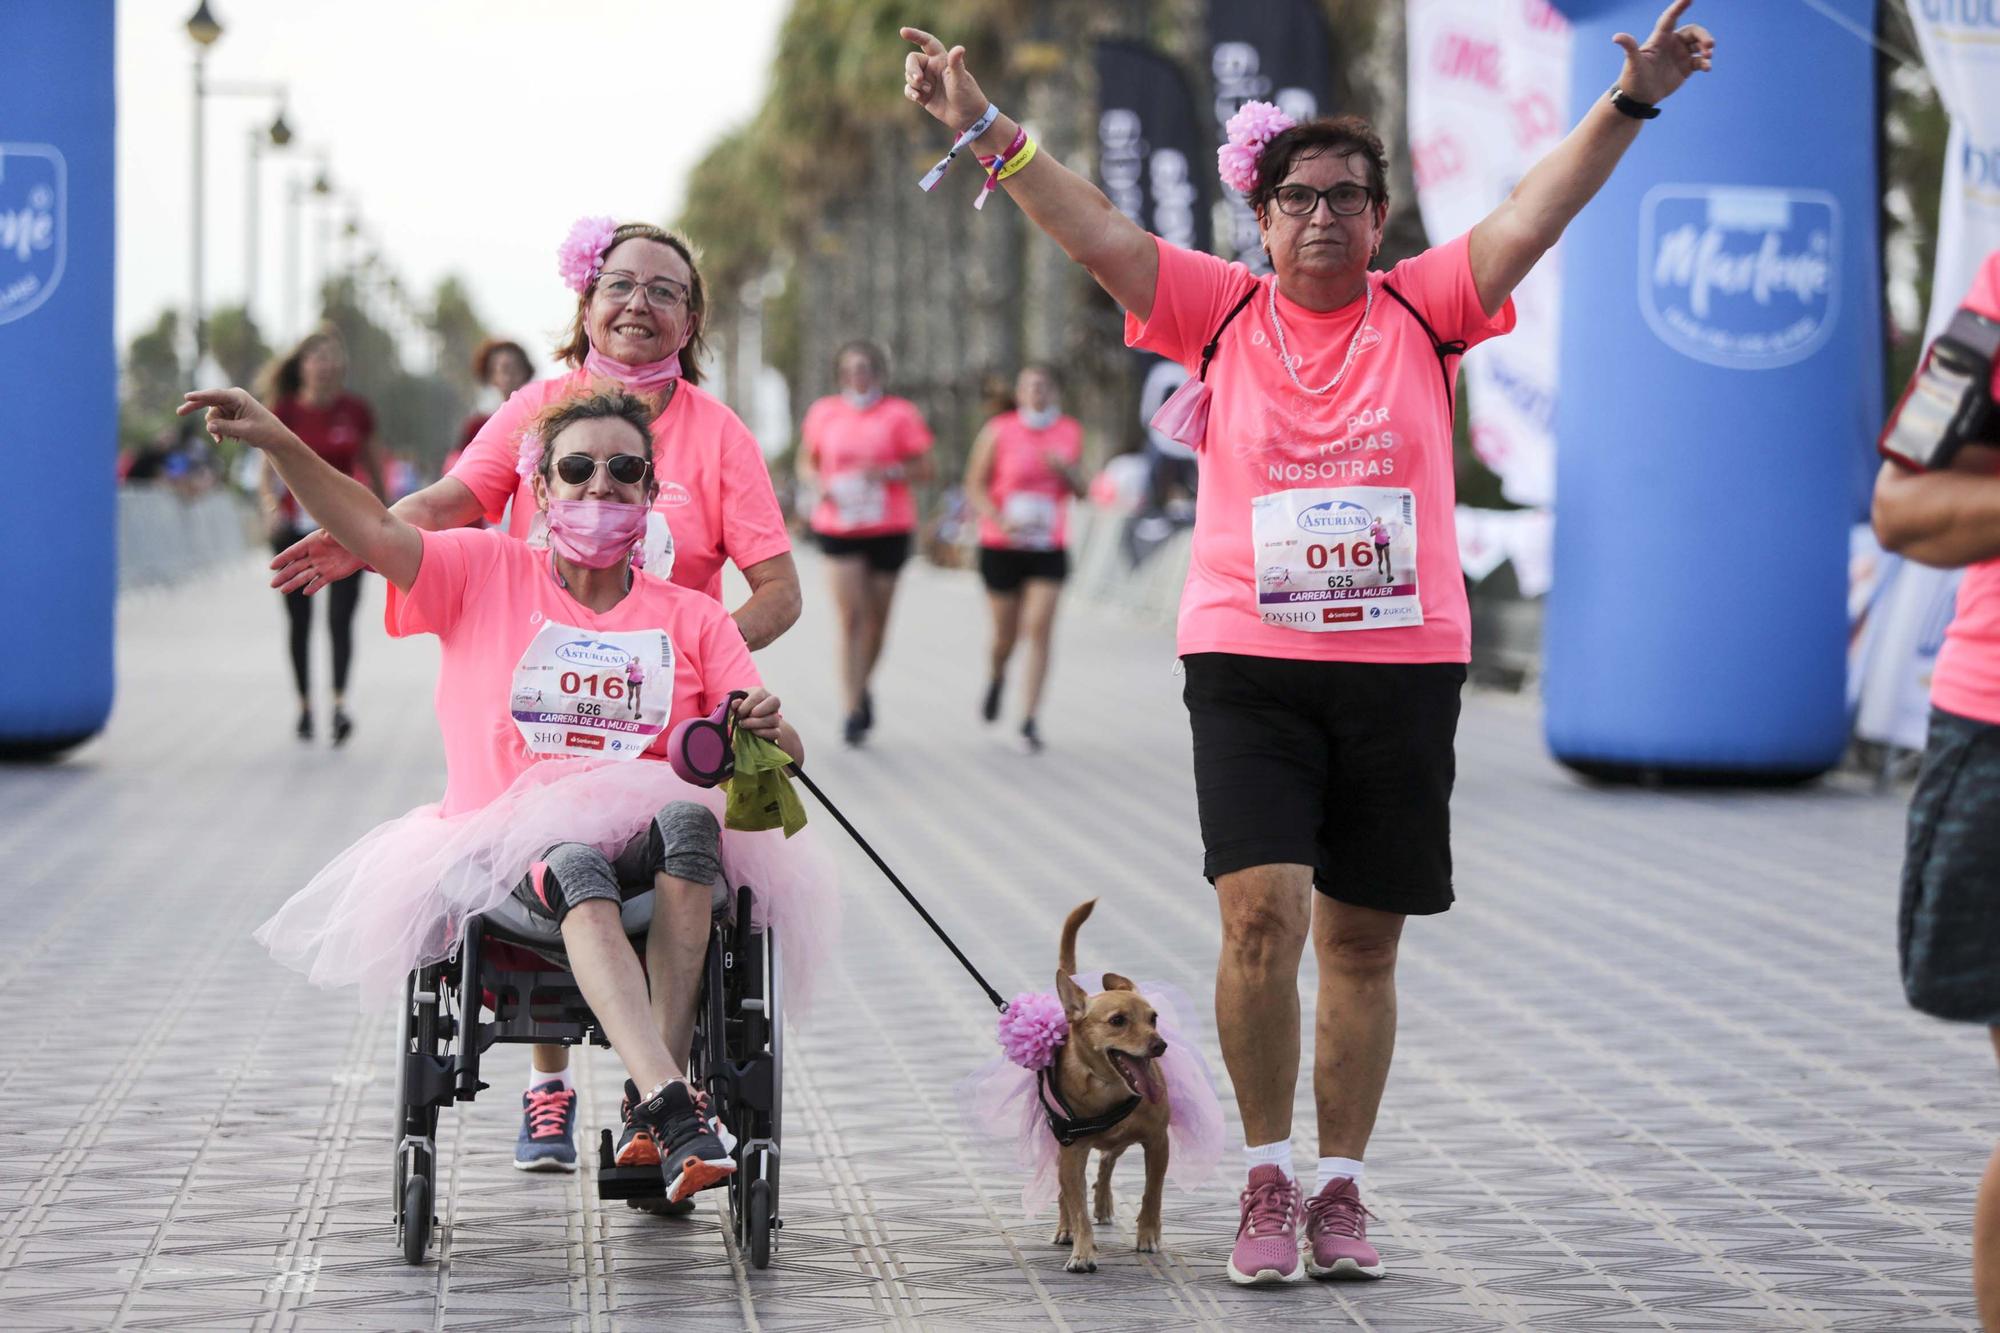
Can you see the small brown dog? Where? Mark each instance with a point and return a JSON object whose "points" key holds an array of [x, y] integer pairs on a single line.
{"points": [[1105, 1092]]}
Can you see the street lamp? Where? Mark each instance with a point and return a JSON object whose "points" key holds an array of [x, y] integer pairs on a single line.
{"points": [[321, 186], [279, 134], [203, 27]]}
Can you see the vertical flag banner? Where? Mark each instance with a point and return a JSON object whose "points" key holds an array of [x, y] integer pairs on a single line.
{"points": [[58, 532], [1721, 374], [1264, 51], [1488, 97]]}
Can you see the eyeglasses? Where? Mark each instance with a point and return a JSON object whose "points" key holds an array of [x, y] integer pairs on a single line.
{"points": [[1302, 201], [661, 293], [625, 469]]}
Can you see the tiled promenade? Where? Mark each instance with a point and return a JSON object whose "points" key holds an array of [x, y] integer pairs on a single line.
{"points": [[1654, 1071]]}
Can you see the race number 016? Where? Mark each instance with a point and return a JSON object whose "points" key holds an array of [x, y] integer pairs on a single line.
{"points": [[609, 687], [1341, 555]]}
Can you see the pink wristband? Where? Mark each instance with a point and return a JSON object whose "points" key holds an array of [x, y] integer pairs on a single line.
{"points": [[995, 165]]}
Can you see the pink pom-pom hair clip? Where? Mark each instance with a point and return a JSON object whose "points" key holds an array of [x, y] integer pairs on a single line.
{"points": [[1254, 125], [581, 254]]}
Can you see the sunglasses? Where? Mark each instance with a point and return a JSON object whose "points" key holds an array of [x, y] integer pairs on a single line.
{"points": [[625, 469]]}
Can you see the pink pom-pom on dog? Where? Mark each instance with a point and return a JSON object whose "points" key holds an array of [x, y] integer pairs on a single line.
{"points": [[1254, 125], [1032, 1028], [581, 254]]}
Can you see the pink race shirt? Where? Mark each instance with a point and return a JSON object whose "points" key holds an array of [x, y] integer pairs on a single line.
{"points": [[1029, 495], [848, 445], [715, 492], [1967, 678], [1292, 484], [488, 596]]}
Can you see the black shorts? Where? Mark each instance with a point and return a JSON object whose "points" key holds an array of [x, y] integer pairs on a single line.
{"points": [[1346, 767], [1948, 929], [1005, 570], [884, 554]]}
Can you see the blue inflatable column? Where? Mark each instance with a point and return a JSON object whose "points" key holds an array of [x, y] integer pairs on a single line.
{"points": [[1721, 387], [58, 374]]}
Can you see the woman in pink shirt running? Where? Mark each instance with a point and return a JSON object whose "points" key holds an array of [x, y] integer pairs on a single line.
{"points": [[555, 791], [861, 451], [1020, 480], [1323, 697]]}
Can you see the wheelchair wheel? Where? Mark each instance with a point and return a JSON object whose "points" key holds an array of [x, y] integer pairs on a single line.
{"points": [[416, 1218], [758, 1220], [419, 1030]]}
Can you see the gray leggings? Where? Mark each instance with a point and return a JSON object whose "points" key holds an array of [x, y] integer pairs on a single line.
{"points": [[683, 840]]}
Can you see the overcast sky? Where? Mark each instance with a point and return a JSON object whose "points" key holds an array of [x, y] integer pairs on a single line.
{"points": [[469, 133]]}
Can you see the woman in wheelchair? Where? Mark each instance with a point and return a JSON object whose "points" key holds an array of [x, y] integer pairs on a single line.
{"points": [[541, 650]]}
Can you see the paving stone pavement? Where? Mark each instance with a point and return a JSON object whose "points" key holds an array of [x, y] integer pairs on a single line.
{"points": [[1654, 1070]]}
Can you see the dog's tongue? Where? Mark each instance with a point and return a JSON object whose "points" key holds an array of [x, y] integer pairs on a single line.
{"points": [[1151, 1086]]}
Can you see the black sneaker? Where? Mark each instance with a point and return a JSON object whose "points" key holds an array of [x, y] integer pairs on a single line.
{"points": [[305, 731], [693, 1156], [1031, 737], [866, 713], [343, 726], [853, 732], [990, 709]]}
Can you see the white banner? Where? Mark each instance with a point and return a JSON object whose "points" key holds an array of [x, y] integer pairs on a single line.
{"points": [[1905, 629], [1488, 97]]}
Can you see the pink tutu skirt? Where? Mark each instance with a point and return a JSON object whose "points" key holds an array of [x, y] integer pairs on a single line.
{"points": [[1000, 1101], [400, 896]]}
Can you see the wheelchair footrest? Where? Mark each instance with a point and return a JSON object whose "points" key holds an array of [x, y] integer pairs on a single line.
{"points": [[625, 1182]]}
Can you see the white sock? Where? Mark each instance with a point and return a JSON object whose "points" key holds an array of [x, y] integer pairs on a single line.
{"points": [[1277, 1154], [1333, 1168], [537, 1077]]}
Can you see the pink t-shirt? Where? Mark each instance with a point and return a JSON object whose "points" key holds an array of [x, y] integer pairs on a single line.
{"points": [[846, 444], [1291, 484], [715, 492], [1967, 678], [487, 596], [1023, 487]]}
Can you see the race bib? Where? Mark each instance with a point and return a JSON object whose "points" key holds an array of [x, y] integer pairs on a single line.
{"points": [[600, 695], [1337, 558], [859, 499], [657, 548], [1030, 520]]}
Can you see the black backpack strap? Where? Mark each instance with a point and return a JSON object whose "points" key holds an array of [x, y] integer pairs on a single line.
{"points": [[1438, 345], [1208, 352]]}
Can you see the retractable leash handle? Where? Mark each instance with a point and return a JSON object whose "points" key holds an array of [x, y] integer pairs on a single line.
{"points": [[702, 750], [798, 771]]}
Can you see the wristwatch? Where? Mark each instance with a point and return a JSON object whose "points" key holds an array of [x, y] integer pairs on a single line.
{"points": [[1632, 106]]}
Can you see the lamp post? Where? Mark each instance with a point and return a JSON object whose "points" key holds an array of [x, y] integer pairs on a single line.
{"points": [[320, 186], [205, 30], [278, 134]]}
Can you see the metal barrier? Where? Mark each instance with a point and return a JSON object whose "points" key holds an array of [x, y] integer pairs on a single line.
{"points": [[165, 537]]}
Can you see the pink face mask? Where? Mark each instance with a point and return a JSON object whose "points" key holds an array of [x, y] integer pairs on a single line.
{"points": [[596, 534]]}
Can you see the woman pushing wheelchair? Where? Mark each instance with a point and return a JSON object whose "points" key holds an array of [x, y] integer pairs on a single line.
{"points": [[574, 654]]}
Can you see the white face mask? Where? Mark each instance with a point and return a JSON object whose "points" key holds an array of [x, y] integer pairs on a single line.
{"points": [[861, 402], [1041, 420]]}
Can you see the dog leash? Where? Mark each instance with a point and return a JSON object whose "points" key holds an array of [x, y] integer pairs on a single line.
{"points": [[702, 751], [901, 888]]}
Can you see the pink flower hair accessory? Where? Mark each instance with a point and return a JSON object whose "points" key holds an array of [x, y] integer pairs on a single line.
{"points": [[1032, 1027], [581, 254], [531, 453], [1254, 125]]}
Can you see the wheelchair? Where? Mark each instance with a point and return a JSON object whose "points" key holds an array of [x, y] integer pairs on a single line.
{"points": [[507, 982]]}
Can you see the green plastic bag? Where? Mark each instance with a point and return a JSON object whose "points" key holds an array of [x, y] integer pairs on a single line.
{"points": [[760, 794]]}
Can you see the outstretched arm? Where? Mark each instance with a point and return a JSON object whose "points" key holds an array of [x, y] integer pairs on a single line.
{"points": [[1513, 237], [353, 514], [1118, 253], [1948, 518]]}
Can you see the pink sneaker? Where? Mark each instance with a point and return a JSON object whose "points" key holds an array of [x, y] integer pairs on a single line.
{"points": [[1337, 1233], [1267, 1239]]}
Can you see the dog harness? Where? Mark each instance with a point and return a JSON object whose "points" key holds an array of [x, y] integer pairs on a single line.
{"points": [[1065, 1124]]}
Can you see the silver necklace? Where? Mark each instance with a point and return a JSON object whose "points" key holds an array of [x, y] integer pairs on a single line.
{"points": [[1284, 353]]}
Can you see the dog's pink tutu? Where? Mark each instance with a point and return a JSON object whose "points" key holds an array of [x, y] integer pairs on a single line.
{"points": [[401, 895], [999, 1100]]}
